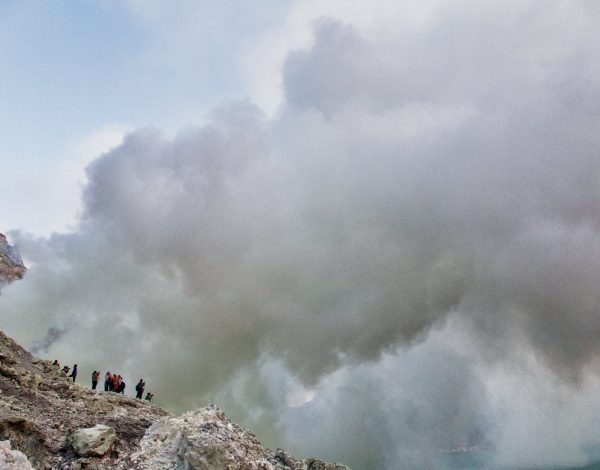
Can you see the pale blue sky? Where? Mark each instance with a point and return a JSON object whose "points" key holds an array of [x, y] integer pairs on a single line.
{"points": [[84, 63], [76, 75], [69, 68]]}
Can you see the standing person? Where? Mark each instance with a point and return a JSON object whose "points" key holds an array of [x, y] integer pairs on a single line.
{"points": [[140, 388], [107, 382], [113, 387], [122, 387], [74, 372], [95, 376]]}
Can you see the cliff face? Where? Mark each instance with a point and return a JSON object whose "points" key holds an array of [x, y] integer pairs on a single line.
{"points": [[48, 422], [11, 265]]}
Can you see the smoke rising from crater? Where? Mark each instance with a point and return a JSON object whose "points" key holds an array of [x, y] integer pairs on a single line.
{"points": [[408, 177]]}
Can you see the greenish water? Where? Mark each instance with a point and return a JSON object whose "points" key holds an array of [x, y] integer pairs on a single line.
{"points": [[477, 461], [592, 466]]}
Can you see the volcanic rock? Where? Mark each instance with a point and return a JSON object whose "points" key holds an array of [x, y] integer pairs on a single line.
{"points": [[53, 423], [11, 264], [206, 439], [93, 441], [41, 411], [12, 459]]}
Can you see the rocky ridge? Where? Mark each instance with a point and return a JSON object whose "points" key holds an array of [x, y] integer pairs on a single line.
{"points": [[48, 422], [205, 438], [11, 264], [41, 411]]}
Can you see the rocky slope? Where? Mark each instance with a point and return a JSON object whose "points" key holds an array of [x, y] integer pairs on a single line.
{"points": [[11, 265], [205, 438], [47, 422]]}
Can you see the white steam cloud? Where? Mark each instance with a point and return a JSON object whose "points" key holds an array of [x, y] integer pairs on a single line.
{"points": [[374, 273]]}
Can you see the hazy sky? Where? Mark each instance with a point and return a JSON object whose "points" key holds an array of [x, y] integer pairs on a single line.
{"points": [[77, 75], [370, 231]]}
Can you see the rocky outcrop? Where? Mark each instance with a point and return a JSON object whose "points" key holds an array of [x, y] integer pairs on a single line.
{"points": [[11, 264], [206, 439], [41, 412], [94, 441], [12, 459], [56, 424]]}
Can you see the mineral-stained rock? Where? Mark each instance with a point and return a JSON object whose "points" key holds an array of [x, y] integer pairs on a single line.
{"points": [[93, 441], [12, 459]]}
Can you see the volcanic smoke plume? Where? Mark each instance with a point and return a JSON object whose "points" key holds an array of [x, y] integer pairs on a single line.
{"points": [[406, 256]]}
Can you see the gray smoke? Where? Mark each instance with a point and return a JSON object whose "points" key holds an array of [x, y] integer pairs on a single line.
{"points": [[409, 178], [42, 346]]}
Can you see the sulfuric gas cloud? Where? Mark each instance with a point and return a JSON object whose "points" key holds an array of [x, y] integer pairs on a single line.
{"points": [[401, 262]]}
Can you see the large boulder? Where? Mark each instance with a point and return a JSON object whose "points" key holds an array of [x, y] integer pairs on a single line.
{"points": [[12, 459], [93, 441], [206, 440]]}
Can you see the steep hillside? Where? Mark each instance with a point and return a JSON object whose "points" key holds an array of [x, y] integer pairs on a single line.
{"points": [[62, 425]]}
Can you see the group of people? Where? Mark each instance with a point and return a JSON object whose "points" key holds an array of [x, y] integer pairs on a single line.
{"points": [[66, 370], [112, 382]]}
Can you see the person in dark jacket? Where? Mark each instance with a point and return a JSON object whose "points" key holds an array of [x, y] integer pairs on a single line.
{"points": [[74, 372], [95, 377], [149, 396], [139, 388], [107, 381]]}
